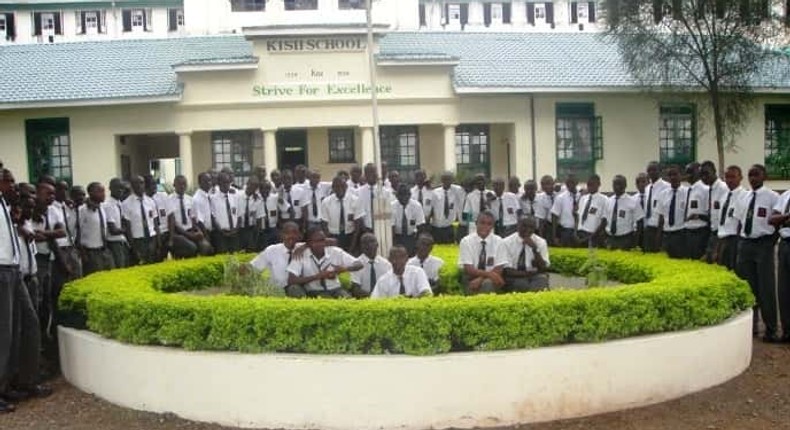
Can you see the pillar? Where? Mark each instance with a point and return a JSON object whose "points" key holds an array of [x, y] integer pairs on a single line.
{"points": [[367, 155], [185, 155], [449, 148], [270, 150]]}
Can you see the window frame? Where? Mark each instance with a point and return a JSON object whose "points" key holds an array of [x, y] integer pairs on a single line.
{"points": [[351, 4], [45, 140], [392, 139], [137, 13], [668, 151], [578, 139], [95, 28], [295, 3], [3, 24], [478, 151], [247, 5], [776, 145], [500, 8], [450, 9], [237, 145], [341, 155]]}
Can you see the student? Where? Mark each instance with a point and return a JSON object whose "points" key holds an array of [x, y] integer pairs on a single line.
{"points": [[408, 219], [447, 205], [139, 217], [671, 210], [161, 201], [248, 203], [697, 223], [315, 192], [367, 195], [482, 274], [525, 256], [476, 201], [727, 246], [640, 197], [319, 267], [67, 265], [543, 204], [393, 178], [48, 226], [623, 214], [225, 216], [354, 181], [27, 246], [716, 190], [756, 263], [341, 215], [505, 207], [294, 197], [652, 233], [403, 280], [92, 232], [186, 238], [514, 186], [202, 205], [300, 175], [276, 179], [528, 199], [423, 193], [374, 267], [277, 257], [564, 214], [270, 207], [427, 262], [464, 217], [780, 219], [116, 240], [590, 215]]}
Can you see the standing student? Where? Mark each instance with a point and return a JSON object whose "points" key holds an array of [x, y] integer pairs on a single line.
{"points": [[591, 213], [427, 262], [528, 200], [408, 219], [505, 207], [564, 214], [697, 224], [716, 190], [278, 256], [160, 199], [623, 214], [67, 265], [403, 280], [319, 267], [294, 196], [249, 203], [423, 193], [186, 238], [374, 267], [27, 246], [481, 273], [476, 201], [354, 181], [341, 215], [514, 186], [393, 177], [300, 175], [671, 204], [367, 195], [544, 202], [652, 233], [202, 205], [268, 215], [315, 192], [780, 219], [116, 240], [225, 216], [526, 258], [139, 216], [640, 196], [447, 206], [48, 226], [92, 232], [727, 246], [756, 263]]}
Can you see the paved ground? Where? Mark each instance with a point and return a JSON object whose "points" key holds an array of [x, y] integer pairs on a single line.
{"points": [[758, 399]]}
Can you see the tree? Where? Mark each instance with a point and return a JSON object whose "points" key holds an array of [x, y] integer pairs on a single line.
{"points": [[715, 51]]}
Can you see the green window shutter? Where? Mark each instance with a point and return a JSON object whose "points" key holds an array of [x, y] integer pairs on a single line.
{"points": [[598, 138]]}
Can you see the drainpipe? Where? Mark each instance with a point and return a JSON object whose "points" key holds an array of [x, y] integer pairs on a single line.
{"points": [[532, 137]]}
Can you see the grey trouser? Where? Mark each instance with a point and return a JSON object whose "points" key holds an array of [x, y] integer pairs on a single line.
{"points": [[224, 243], [120, 254], [184, 247], [97, 260], [728, 252], [651, 241], [266, 238], [486, 287], [784, 285], [20, 339], [538, 282], [624, 242], [248, 239], [409, 242], [295, 291], [145, 249], [696, 242], [675, 244], [710, 249], [756, 264], [337, 293], [443, 234]]}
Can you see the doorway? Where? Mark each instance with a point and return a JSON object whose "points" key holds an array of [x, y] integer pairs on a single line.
{"points": [[291, 148]]}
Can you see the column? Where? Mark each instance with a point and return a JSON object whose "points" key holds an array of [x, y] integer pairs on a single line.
{"points": [[449, 147], [270, 150], [185, 155], [367, 155]]}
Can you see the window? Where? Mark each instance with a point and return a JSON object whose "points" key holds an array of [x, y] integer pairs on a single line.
{"points": [[8, 32], [301, 4], [247, 5], [777, 141], [400, 148], [472, 149], [47, 24], [540, 13], [341, 145], [579, 139], [423, 18], [351, 4], [233, 149], [3, 27], [136, 20], [677, 134], [454, 14], [582, 12], [496, 13], [175, 19], [49, 148]]}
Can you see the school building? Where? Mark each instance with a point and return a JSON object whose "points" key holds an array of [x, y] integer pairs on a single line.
{"points": [[523, 104]]}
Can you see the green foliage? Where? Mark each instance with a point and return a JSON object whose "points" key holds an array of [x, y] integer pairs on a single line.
{"points": [[594, 270], [242, 280], [131, 305]]}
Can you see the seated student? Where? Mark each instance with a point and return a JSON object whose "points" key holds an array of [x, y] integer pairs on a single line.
{"points": [[477, 259], [427, 262], [408, 218], [402, 280], [278, 256], [373, 267], [319, 266], [526, 257]]}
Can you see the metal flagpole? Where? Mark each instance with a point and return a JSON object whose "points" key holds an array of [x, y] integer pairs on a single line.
{"points": [[382, 225]]}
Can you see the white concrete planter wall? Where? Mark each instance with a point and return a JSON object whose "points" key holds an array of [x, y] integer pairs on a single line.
{"points": [[401, 392]]}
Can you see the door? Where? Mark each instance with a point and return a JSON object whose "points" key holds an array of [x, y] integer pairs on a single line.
{"points": [[291, 148]]}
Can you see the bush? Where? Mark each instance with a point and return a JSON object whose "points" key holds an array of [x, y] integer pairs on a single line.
{"points": [[131, 305]]}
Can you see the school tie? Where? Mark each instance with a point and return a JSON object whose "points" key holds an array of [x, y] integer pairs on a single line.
{"points": [[749, 224], [342, 223], [402, 290], [522, 259], [372, 274], [265, 215], [501, 220], [642, 200], [291, 210], [787, 207], [315, 205], [372, 198], [614, 215], [247, 213], [673, 207], [227, 209], [102, 226], [419, 196], [586, 211], [183, 211], [404, 223], [724, 209], [649, 202], [481, 260], [290, 256], [144, 219], [688, 200], [11, 229], [482, 205], [446, 205], [710, 201], [66, 222], [323, 281]]}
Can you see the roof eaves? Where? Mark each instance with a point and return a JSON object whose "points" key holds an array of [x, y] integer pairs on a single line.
{"points": [[110, 101]]}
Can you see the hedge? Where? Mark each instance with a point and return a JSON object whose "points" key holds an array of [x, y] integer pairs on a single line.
{"points": [[134, 305]]}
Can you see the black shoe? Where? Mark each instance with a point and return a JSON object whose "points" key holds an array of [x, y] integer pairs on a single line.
{"points": [[6, 407], [16, 396], [34, 392], [772, 338]]}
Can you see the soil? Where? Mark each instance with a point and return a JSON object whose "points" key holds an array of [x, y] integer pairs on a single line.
{"points": [[757, 400]]}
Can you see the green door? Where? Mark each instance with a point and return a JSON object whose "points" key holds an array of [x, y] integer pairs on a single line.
{"points": [[48, 148]]}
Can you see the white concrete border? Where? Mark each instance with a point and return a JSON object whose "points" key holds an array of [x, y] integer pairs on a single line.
{"points": [[402, 392]]}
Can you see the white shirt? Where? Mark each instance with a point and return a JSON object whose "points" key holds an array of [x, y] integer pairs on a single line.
{"points": [[471, 245], [730, 227], [782, 206], [353, 187], [717, 190], [543, 204], [415, 283], [431, 265], [202, 206], [69, 220], [653, 191], [595, 213], [528, 207], [364, 202], [321, 191], [629, 212], [427, 198], [174, 208], [295, 198], [10, 253], [764, 203], [276, 258], [27, 258], [510, 207], [330, 212], [472, 205], [310, 265], [414, 215], [697, 205], [455, 201], [362, 277], [161, 200], [564, 206], [665, 203], [248, 205], [132, 213], [219, 209], [92, 227], [511, 247], [112, 208], [269, 209], [52, 218]]}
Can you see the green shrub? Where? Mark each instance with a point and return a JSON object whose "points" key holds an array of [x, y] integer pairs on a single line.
{"points": [[131, 305]]}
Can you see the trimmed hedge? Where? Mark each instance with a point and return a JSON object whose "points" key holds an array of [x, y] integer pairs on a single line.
{"points": [[132, 305]]}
